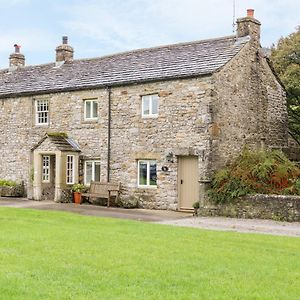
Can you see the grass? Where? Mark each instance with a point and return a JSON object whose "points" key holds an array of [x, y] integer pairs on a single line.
{"points": [[56, 255]]}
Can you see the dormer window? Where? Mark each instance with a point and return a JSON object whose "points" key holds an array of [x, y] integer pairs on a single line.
{"points": [[150, 106], [41, 112], [90, 110]]}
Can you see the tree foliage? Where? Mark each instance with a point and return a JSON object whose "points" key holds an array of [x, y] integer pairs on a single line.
{"points": [[263, 172], [285, 57]]}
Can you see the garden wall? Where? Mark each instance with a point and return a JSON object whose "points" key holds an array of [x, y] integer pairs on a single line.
{"points": [[275, 207]]}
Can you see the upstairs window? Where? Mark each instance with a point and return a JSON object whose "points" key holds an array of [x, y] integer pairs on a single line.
{"points": [[42, 112], [150, 106], [147, 175], [90, 109]]}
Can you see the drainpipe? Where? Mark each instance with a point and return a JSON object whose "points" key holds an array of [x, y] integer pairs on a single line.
{"points": [[108, 133]]}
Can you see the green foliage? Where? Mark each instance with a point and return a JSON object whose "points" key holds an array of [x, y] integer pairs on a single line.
{"points": [[285, 58], [196, 205], [78, 188], [7, 183], [264, 172]]}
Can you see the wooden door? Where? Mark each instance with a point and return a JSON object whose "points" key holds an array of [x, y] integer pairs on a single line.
{"points": [[188, 185]]}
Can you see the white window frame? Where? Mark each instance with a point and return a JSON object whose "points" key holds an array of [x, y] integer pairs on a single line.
{"points": [[93, 170], [148, 162], [70, 169], [92, 101], [151, 114], [46, 168], [41, 114]]}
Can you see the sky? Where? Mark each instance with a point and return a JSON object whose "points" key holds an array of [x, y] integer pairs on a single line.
{"points": [[97, 28]]}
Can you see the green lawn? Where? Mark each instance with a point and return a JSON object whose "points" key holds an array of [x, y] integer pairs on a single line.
{"points": [[55, 255]]}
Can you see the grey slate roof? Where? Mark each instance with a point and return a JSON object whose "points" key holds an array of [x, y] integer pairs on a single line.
{"points": [[160, 63], [61, 143]]}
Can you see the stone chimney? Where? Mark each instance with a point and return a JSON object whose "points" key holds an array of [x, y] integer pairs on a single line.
{"points": [[249, 26], [16, 59], [64, 52]]}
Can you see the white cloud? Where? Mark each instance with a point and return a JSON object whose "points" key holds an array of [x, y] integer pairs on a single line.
{"points": [[121, 25], [98, 27]]}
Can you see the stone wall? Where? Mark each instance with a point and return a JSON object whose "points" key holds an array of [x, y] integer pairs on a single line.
{"points": [[249, 107], [275, 207], [181, 128]]}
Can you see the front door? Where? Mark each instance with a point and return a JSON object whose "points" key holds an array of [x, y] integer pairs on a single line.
{"points": [[188, 185]]}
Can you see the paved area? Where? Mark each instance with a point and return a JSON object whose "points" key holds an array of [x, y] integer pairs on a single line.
{"points": [[163, 217], [146, 215]]}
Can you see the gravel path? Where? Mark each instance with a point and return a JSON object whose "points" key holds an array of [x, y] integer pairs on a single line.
{"points": [[239, 225]]}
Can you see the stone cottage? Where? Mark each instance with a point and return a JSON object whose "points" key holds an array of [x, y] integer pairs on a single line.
{"points": [[158, 120]]}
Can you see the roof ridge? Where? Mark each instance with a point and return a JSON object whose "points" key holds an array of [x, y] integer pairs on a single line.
{"points": [[157, 47]]}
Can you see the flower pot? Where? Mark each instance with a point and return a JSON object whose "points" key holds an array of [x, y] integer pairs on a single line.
{"points": [[77, 197]]}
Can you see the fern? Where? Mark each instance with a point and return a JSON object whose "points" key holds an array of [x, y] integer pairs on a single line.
{"points": [[255, 172]]}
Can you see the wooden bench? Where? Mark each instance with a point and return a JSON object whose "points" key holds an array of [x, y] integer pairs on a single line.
{"points": [[103, 190]]}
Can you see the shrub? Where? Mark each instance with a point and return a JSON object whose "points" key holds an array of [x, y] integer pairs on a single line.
{"points": [[264, 172], [78, 187], [7, 183]]}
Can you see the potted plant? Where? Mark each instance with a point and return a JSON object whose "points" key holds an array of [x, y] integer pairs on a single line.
{"points": [[196, 206], [77, 189]]}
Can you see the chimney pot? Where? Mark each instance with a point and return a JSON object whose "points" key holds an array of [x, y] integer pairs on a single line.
{"points": [[250, 13], [65, 40], [16, 59], [17, 48]]}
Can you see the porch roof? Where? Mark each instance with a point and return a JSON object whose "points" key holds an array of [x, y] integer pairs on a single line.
{"points": [[60, 142]]}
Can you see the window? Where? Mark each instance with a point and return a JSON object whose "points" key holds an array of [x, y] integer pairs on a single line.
{"points": [[147, 173], [46, 169], [150, 106], [91, 109], [70, 169], [42, 112], [91, 171]]}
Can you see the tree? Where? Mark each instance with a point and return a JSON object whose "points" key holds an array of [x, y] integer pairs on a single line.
{"points": [[285, 57]]}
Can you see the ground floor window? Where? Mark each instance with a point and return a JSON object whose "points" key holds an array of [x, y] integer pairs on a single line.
{"points": [[147, 174], [46, 168], [70, 169], [91, 171]]}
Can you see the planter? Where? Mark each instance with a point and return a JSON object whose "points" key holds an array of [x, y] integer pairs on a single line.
{"points": [[77, 197], [12, 191]]}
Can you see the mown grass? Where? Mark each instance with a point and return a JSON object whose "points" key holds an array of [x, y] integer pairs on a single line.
{"points": [[55, 255]]}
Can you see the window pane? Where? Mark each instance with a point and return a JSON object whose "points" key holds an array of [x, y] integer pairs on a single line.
{"points": [[42, 111], [70, 169], [153, 176], [88, 172], [95, 109], [146, 106], [154, 105], [143, 173], [87, 109], [97, 171]]}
